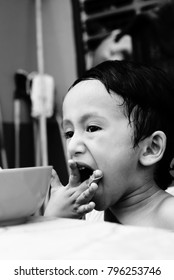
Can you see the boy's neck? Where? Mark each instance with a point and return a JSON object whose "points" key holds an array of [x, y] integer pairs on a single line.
{"points": [[139, 204], [139, 196]]}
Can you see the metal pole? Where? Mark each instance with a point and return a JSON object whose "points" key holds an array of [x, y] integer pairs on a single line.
{"points": [[40, 63]]}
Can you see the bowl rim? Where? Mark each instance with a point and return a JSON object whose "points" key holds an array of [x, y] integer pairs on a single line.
{"points": [[26, 168]]}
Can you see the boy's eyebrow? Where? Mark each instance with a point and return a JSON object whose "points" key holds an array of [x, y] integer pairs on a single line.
{"points": [[83, 118]]}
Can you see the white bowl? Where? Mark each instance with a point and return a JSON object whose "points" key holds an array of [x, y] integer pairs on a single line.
{"points": [[22, 192]]}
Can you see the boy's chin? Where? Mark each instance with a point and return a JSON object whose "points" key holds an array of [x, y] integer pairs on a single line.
{"points": [[99, 199], [98, 208], [99, 204]]}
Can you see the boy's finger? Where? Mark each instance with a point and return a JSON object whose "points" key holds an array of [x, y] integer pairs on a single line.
{"points": [[86, 190], [84, 209], [87, 195], [95, 177], [55, 181], [74, 178]]}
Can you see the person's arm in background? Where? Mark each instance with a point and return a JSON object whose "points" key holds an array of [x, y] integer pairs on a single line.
{"points": [[109, 49]]}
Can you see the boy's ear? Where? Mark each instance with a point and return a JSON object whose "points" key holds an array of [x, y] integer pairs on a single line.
{"points": [[153, 148]]}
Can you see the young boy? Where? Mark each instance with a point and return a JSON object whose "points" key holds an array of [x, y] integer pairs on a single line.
{"points": [[118, 123]]}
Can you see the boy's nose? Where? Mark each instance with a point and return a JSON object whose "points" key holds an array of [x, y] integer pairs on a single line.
{"points": [[75, 146]]}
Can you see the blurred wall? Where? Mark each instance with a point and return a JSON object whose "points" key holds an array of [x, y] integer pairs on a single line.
{"points": [[59, 47], [17, 41], [18, 46]]}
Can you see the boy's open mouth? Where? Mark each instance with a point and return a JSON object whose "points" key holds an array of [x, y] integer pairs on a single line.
{"points": [[85, 172]]}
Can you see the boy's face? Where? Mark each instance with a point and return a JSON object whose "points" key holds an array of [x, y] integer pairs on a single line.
{"points": [[99, 136]]}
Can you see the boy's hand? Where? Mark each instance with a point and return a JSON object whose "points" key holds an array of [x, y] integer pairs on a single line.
{"points": [[73, 200]]}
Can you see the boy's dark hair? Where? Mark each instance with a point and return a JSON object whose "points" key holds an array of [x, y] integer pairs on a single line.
{"points": [[148, 100]]}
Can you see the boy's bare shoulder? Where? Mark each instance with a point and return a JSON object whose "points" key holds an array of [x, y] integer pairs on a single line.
{"points": [[166, 212]]}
